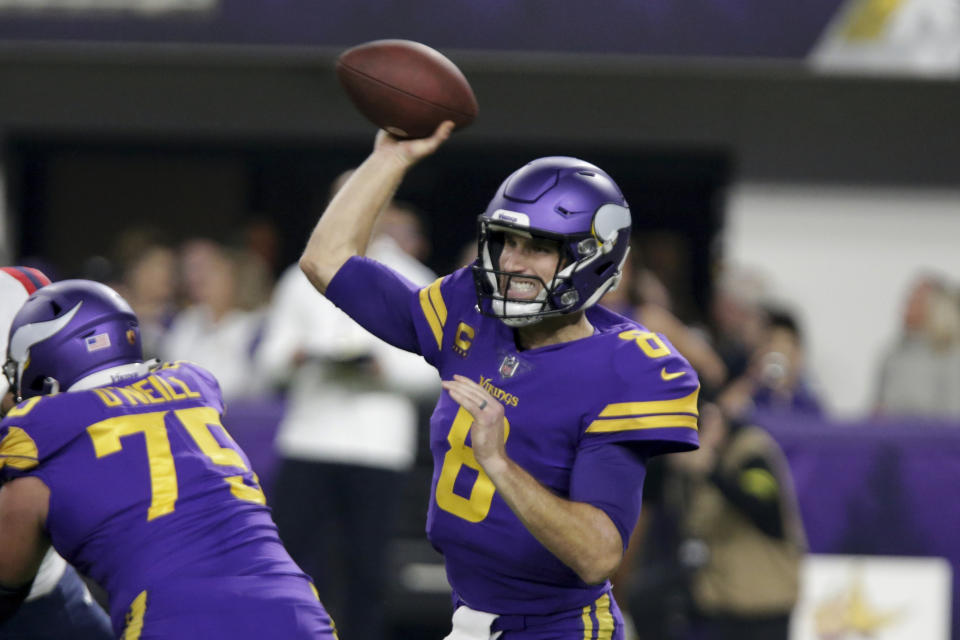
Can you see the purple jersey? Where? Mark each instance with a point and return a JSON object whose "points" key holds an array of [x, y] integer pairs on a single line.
{"points": [[150, 496], [564, 404]]}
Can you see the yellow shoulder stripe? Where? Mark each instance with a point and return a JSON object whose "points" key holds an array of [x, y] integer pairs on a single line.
{"points": [[686, 404], [18, 450], [643, 422], [24, 407], [434, 309]]}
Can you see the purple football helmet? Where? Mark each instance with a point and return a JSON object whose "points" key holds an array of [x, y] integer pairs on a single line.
{"points": [[66, 331], [571, 202]]}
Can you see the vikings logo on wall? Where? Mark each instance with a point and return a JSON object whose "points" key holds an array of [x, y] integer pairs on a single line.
{"points": [[854, 597]]}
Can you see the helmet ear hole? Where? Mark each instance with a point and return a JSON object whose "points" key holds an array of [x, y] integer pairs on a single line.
{"points": [[601, 268], [36, 385]]}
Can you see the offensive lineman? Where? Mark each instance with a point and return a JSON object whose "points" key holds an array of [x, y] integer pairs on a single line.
{"points": [[125, 468]]}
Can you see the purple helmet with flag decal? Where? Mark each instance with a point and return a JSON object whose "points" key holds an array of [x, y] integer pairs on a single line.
{"points": [[571, 202], [67, 331]]}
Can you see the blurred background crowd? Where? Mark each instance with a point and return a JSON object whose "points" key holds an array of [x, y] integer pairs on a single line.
{"points": [[209, 299], [793, 176]]}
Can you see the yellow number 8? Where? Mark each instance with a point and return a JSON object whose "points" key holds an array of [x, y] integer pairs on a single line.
{"points": [[477, 506], [649, 342]]}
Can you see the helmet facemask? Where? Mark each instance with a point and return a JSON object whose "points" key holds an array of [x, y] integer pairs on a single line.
{"points": [[585, 271], [565, 200], [492, 283]]}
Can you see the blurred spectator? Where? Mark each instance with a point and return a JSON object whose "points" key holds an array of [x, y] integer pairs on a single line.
{"points": [[667, 254], [98, 268], [147, 278], [920, 373], [723, 539], [737, 317], [403, 224], [223, 318], [743, 533], [348, 434], [259, 237], [776, 378]]}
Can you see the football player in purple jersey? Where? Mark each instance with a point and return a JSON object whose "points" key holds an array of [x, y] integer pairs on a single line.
{"points": [[125, 468], [551, 404], [58, 604]]}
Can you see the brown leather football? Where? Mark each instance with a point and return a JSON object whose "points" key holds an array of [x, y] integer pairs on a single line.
{"points": [[406, 87]]}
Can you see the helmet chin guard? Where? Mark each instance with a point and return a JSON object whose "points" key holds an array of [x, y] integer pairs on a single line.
{"points": [[567, 201]]}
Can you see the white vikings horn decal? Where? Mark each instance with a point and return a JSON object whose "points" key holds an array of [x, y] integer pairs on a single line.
{"points": [[609, 220], [30, 334]]}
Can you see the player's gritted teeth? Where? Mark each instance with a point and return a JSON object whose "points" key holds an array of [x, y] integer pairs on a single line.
{"points": [[519, 288]]}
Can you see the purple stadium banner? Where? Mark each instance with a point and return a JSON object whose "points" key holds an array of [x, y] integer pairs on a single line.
{"points": [[777, 29], [877, 487]]}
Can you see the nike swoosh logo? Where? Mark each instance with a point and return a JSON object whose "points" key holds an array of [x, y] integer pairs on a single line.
{"points": [[666, 375]]}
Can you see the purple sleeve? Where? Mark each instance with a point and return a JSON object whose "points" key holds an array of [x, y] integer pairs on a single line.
{"points": [[379, 299], [610, 477]]}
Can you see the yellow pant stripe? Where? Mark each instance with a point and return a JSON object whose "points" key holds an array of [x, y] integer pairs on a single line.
{"points": [[133, 626], [604, 618], [587, 623]]}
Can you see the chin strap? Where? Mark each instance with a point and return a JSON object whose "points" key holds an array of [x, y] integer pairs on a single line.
{"points": [[11, 598]]}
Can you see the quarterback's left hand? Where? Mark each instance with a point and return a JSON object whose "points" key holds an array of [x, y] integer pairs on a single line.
{"points": [[488, 433]]}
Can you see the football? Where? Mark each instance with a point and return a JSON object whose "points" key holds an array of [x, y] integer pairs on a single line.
{"points": [[406, 87]]}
